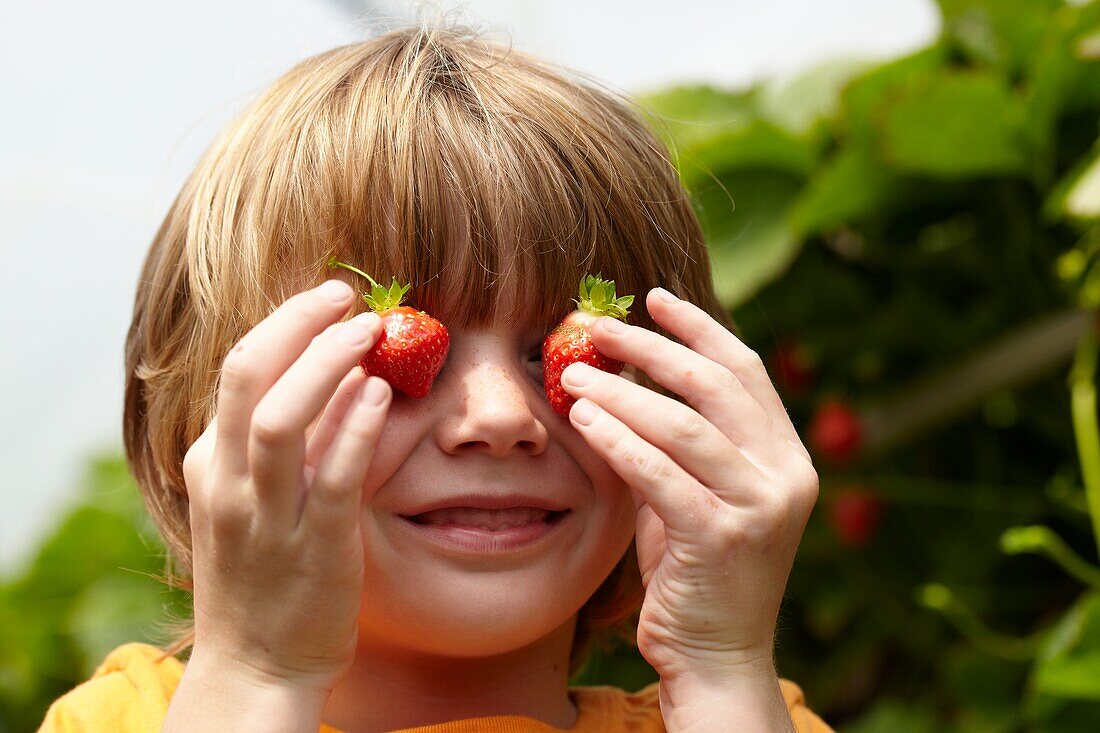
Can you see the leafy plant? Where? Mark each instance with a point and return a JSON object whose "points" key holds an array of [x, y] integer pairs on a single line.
{"points": [[90, 587], [926, 238]]}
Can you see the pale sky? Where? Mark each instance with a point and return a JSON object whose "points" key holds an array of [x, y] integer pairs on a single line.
{"points": [[108, 106]]}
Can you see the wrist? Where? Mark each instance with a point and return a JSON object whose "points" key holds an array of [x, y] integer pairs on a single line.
{"points": [[218, 693], [745, 698], [248, 672]]}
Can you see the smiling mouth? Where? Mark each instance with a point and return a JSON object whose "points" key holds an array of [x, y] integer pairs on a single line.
{"points": [[490, 519]]}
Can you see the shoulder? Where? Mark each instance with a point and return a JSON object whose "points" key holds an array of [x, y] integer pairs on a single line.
{"points": [[804, 719], [129, 691], [610, 708], [607, 708]]}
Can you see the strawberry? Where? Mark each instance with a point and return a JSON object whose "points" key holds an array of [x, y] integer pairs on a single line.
{"points": [[791, 359], [855, 514], [835, 432], [414, 346], [571, 341]]}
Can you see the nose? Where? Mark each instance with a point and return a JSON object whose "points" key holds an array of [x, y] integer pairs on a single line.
{"points": [[489, 406]]}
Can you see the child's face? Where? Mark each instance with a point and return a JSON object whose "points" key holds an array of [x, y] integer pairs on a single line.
{"points": [[485, 427]]}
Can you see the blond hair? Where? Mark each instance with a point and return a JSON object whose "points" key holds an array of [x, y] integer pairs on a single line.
{"points": [[429, 153]]}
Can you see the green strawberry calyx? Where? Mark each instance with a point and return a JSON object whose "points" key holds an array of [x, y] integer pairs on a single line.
{"points": [[379, 298], [598, 298]]}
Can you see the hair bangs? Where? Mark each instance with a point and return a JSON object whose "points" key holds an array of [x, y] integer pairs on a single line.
{"points": [[491, 200]]}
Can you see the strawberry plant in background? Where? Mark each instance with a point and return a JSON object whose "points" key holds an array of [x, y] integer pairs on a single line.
{"points": [[91, 586], [912, 248]]}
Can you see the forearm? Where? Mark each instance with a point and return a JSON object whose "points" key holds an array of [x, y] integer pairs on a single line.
{"points": [[223, 697], [749, 703]]}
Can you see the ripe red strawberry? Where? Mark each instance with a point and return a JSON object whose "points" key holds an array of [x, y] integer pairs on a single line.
{"points": [[415, 345], [835, 432], [571, 341], [855, 514], [792, 362]]}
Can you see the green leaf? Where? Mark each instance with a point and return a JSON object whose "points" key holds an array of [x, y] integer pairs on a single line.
{"points": [[118, 608], [1077, 677], [1077, 195], [749, 238], [1062, 77], [797, 104], [1066, 674], [892, 716], [1003, 33], [849, 187], [710, 132], [757, 145], [689, 114], [866, 93], [954, 125]]}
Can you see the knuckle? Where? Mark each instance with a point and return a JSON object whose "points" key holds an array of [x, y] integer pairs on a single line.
{"points": [[777, 509], [647, 465], [227, 515], [732, 533], [194, 463], [268, 430], [809, 485], [753, 360], [687, 426], [237, 367], [725, 382]]}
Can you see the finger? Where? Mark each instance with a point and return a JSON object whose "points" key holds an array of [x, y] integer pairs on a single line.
{"points": [[709, 387], [681, 502], [332, 503], [701, 333], [261, 357], [276, 448], [321, 438], [196, 462], [676, 429]]}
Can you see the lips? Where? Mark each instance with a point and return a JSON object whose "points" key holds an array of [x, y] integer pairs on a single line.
{"points": [[494, 502], [490, 519]]}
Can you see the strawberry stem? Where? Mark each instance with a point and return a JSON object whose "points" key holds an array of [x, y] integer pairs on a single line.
{"points": [[597, 296], [333, 262], [379, 298]]}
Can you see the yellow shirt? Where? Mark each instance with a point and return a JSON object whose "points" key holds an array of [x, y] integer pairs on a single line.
{"points": [[130, 693]]}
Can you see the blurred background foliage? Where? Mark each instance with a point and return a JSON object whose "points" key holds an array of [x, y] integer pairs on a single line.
{"points": [[911, 247]]}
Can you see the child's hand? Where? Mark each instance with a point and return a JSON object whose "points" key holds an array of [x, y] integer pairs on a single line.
{"points": [[724, 491], [278, 555]]}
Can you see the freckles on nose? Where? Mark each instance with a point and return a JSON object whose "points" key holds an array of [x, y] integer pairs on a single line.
{"points": [[493, 385]]}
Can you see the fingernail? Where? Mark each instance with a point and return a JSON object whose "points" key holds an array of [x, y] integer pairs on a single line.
{"points": [[584, 411], [613, 325], [335, 290], [576, 375], [666, 296], [375, 393]]}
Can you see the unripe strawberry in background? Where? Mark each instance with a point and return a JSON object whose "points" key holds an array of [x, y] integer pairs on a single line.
{"points": [[855, 514], [835, 432], [791, 362], [571, 340], [415, 345]]}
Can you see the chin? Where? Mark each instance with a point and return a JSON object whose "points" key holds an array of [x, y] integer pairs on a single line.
{"points": [[477, 615]]}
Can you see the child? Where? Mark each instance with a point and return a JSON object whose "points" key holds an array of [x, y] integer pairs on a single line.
{"points": [[284, 481]]}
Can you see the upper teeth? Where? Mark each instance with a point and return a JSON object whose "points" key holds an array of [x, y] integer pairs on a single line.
{"points": [[484, 518]]}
